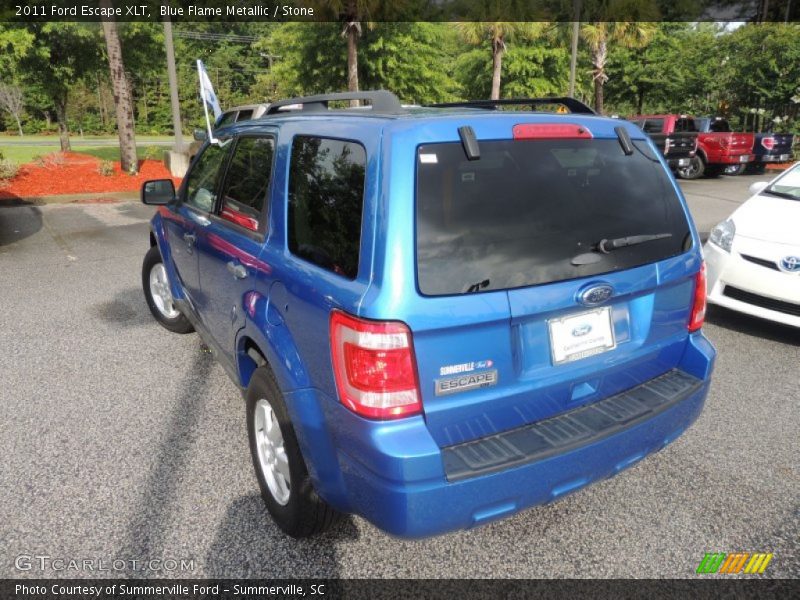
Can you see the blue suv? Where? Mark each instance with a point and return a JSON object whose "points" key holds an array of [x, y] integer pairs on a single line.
{"points": [[438, 316]]}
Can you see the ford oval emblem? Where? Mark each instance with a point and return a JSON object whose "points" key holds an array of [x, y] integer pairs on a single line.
{"points": [[790, 264], [597, 294], [581, 330]]}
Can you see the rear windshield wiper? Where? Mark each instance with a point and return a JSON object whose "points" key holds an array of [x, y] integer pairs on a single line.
{"points": [[476, 287], [605, 246]]}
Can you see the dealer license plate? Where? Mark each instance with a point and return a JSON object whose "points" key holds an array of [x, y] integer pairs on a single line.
{"points": [[744, 158], [683, 162], [581, 335]]}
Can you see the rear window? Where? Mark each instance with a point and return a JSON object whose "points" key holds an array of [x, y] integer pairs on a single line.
{"points": [[685, 124], [245, 115], [326, 196], [524, 212], [653, 125]]}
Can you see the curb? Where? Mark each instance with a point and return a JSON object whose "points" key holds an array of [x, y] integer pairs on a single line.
{"points": [[96, 198]]}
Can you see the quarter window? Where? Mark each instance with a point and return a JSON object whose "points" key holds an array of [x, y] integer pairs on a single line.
{"points": [[326, 197], [247, 181]]}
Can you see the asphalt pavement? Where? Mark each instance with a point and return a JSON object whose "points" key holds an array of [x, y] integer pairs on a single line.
{"points": [[122, 441]]}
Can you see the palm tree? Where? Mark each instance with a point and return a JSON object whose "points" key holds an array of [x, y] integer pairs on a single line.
{"points": [[353, 13], [122, 95], [599, 34], [497, 33]]}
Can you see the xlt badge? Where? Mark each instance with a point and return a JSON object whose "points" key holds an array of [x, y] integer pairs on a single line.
{"points": [[463, 383]]}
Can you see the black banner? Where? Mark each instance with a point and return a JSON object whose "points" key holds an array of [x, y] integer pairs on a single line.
{"points": [[368, 589], [409, 10]]}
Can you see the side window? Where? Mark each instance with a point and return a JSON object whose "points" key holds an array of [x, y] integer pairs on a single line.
{"points": [[202, 179], [247, 181], [685, 125], [326, 196]]}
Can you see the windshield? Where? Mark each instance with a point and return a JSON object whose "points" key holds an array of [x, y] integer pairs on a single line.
{"points": [[788, 185], [530, 212]]}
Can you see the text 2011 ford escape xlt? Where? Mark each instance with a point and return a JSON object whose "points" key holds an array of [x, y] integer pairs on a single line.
{"points": [[438, 316]]}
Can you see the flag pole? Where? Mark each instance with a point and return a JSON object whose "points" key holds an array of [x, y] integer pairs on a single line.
{"points": [[211, 138]]}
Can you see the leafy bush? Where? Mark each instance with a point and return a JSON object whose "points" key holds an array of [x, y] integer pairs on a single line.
{"points": [[153, 153], [106, 168], [8, 169]]}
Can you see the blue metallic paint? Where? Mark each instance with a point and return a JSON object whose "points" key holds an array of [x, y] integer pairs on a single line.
{"points": [[392, 472]]}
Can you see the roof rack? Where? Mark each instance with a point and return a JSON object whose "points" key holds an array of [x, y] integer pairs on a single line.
{"points": [[380, 100], [574, 106]]}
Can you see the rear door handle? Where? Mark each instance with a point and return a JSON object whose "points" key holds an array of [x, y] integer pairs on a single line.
{"points": [[237, 270]]}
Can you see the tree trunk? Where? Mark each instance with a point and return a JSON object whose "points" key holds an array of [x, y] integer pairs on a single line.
{"points": [[19, 125], [640, 102], [122, 96], [47, 118], [497, 68], [353, 29], [63, 130], [599, 62]]}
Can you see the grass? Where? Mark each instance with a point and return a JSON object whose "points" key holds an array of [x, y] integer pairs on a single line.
{"points": [[25, 154]]}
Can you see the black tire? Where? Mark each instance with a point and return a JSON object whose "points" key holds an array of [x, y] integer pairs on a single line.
{"points": [[757, 168], [734, 170], [694, 170], [177, 324], [305, 513]]}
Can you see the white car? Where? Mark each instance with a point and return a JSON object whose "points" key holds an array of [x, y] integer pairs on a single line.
{"points": [[753, 257]]}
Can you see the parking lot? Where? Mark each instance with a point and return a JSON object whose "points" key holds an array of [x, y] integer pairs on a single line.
{"points": [[122, 441]]}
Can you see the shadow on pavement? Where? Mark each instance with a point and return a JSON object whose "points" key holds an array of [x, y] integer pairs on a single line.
{"points": [[18, 220], [753, 326], [151, 515], [126, 309], [249, 544]]}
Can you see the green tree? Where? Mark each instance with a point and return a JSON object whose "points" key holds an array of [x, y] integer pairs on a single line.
{"points": [[497, 34], [353, 14], [60, 55], [599, 34], [529, 71], [410, 59]]}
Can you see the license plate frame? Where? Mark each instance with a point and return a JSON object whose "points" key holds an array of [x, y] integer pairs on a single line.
{"points": [[566, 333]]}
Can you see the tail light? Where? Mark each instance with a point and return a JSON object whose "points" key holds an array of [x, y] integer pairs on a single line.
{"points": [[699, 304], [374, 367], [768, 142], [667, 145]]}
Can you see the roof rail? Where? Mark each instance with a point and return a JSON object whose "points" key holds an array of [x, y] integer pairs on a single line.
{"points": [[574, 106], [381, 101]]}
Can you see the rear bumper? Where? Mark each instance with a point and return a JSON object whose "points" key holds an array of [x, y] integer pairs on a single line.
{"points": [[395, 476], [731, 159], [678, 162], [768, 158]]}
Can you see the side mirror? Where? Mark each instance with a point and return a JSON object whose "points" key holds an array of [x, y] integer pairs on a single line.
{"points": [[758, 187], [158, 192], [200, 135]]}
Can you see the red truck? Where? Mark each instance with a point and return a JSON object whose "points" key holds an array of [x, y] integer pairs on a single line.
{"points": [[717, 145]]}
